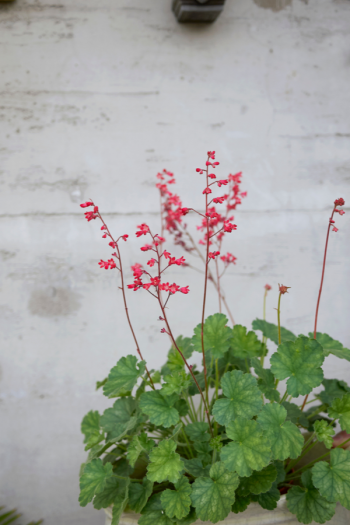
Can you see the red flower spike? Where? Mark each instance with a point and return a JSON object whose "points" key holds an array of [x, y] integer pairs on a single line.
{"points": [[339, 202], [267, 287], [207, 191], [90, 215]]}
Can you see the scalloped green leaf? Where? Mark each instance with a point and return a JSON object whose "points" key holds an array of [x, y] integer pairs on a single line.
{"points": [[270, 331], [213, 497], [268, 500], [307, 503], [90, 427], [138, 445], [195, 468], [241, 504], [203, 452], [324, 432], [175, 361], [341, 410], [119, 419], [216, 336], [300, 362], [165, 464], [249, 450], [198, 432], [139, 494], [295, 415], [189, 519], [160, 409], [176, 383], [332, 479], [260, 481], [153, 513], [242, 397], [93, 480], [120, 503], [245, 345], [177, 503], [285, 438], [266, 381], [114, 487], [333, 389], [123, 377], [331, 346]]}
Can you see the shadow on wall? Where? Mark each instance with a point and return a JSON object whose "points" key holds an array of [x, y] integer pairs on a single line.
{"points": [[275, 5], [53, 301]]}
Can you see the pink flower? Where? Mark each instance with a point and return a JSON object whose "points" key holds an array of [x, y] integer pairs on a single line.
{"points": [[207, 191], [283, 289], [143, 230], [174, 288], [166, 254], [199, 170], [104, 227], [185, 289], [212, 175], [90, 215], [124, 237], [164, 286], [146, 286], [160, 239], [155, 281], [137, 270], [112, 244], [110, 264], [86, 204], [268, 287], [219, 200], [151, 262], [335, 229], [228, 227], [184, 211], [228, 258], [146, 247], [104, 236], [222, 183], [339, 202], [180, 261], [212, 255]]}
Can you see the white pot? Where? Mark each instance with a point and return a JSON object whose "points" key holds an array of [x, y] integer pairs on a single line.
{"points": [[254, 515]]}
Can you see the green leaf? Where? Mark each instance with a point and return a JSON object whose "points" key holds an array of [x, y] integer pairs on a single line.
{"points": [[213, 497], [245, 345], [90, 427], [333, 389], [165, 464], [241, 504], [177, 502], [268, 500], [139, 494], [243, 397], [300, 361], [250, 450], [137, 446], [331, 346], [153, 513], [266, 381], [176, 383], [123, 377], [307, 503], [260, 481], [203, 452], [285, 438], [270, 331], [195, 468], [119, 419], [160, 409], [100, 384], [120, 503], [324, 433], [333, 480], [113, 488], [193, 390], [341, 410], [295, 415], [216, 336], [93, 480], [189, 519], [175, 361], [198, 432], [181, 406]]}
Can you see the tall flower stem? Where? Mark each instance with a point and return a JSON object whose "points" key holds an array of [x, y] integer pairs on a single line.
{"points": [[122, 287], [205, 288], [279, 318]]}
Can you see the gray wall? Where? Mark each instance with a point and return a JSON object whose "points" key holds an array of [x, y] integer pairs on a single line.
{"points": [[95, 98]]}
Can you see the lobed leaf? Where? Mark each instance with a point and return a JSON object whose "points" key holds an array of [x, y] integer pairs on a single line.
{"points": [[268, 500], [324, 432], [119, 419], [175, 362], [285, 438], [139, 494], [300, 362], [216, 336], [245, 345], [123, 377], [331, 346], [198, 432], [177, 503], [266, 381], [333, 389], [90, 427], [93, 480], [295, 415], [114, 487], [176, 383], [332, 479], [160, 409], [341, 410], [195, 468], [241, 504], [307, 503], [165, 464], [243, 397], [213, 497], [270, 331], [119, 504], [260, 481], [153, 513], [137, 446]]}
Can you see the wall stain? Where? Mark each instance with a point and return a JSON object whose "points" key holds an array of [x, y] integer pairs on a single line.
{"points": [[274, 5], [53, 302]]}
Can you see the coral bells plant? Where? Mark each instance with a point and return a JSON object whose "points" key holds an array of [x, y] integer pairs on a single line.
{"points": [[187, 443]]}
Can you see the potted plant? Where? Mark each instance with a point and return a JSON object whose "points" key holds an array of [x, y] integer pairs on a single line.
{"points": [[197, 10], [189, 445]]}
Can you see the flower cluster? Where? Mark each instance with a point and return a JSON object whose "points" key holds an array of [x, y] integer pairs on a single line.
{"points": [[337, 202]]}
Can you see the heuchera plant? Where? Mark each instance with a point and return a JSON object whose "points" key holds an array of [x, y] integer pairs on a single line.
{"points": [[184, 443]]}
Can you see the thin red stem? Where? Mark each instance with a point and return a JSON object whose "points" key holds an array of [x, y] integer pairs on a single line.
{"points": [[205, 290], [124, 298]]}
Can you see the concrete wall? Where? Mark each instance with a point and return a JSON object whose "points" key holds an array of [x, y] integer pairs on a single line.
{"points": [[95, 98]]}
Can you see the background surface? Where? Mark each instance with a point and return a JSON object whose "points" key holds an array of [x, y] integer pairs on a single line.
{"points": [[95, 99]]}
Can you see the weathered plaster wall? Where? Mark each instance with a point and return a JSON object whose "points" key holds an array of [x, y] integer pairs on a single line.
{"points": [[95, 98]]}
